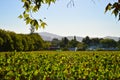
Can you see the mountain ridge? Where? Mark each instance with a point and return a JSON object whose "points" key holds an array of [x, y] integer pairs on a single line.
{"points": [[49, 36]]}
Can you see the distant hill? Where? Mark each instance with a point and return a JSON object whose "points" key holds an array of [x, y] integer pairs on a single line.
{"points": [[112, 37], [49, 36]]}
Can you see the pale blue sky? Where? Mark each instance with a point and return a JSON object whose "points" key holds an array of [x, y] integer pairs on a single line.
{"points": [[86, 18]]}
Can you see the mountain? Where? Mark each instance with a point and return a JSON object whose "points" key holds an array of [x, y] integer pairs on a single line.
{"points": [[49, 36]]}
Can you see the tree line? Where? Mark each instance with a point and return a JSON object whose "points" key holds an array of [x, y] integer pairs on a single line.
{"points": [[86, 44], [10, 41]]}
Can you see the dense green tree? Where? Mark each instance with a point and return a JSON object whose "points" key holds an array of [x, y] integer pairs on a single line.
{"points": [[81, 46], [64, 43], [73, 42], [55, 42], [47, 45], [95, 41], [10, 41], [25, 43], [30, 43], [37, 41], [108, 43], [118, 44], [86, 40], [18, 45], [1, 43]]}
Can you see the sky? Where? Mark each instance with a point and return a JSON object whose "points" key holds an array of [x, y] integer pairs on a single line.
{"points": [[85, 18]]}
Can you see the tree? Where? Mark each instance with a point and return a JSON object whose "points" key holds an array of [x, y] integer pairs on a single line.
{"points": [[64, 43], [1, 43], [7, 41], [73, 42], [55, 42], [25, 42], [18, 45], [118, 44], [46, 45], [32, 6], [37, 41], [95, 41], [108, 43], [86, 40], [10, 41], [81, 46]]}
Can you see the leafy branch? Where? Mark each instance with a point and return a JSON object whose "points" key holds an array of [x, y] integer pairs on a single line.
{"points": [[115, 8], [32, 6]]}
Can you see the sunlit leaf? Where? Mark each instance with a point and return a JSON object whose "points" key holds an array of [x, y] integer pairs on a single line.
{"points": [[26, 15], [35, 9], [28, 20], [20, 16], [115, 12], [43, 24], [108, 7], [24, 0]]}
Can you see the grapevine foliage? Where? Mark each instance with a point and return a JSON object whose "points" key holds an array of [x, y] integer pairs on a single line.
{"points": [[60, 66]]}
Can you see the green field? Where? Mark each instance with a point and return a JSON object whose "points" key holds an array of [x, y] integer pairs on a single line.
{"points": [[58, 65]]}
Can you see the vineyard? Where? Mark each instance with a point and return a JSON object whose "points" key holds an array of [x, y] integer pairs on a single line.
{"points": [[43, 65]]}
